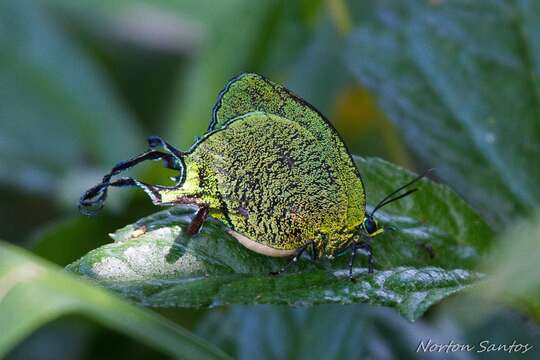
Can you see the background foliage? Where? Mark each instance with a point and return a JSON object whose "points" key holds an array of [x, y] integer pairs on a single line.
{"points": [[418, 83]]}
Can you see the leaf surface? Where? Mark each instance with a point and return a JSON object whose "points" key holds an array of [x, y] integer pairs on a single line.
{"points": [[34, 292], [436, 241]]}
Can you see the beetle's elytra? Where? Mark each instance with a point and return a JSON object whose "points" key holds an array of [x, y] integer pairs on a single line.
{"points": [[271, 168]]}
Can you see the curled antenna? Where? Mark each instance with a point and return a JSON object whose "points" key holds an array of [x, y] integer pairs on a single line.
{"points": [[390, 197]]}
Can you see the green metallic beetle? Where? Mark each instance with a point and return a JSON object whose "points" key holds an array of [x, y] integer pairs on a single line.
{"points": [[271, 168]]}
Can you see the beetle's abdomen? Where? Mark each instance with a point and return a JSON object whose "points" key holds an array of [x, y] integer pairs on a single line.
{"points": [[276, 184]]}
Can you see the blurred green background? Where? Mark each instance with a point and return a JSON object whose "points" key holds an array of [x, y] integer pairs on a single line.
{"points": [[83, 83]]}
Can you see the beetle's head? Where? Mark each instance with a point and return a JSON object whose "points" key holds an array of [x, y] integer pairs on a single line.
{"points": [[371, 227]]}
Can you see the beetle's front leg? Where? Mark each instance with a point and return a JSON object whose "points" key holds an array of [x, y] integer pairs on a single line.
{"points": [[365, 246], [198, 219], [351, 260]]}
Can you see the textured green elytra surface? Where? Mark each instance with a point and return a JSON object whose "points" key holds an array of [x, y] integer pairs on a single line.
{"points": [[274, 170], [438, 240], [268, 179]]}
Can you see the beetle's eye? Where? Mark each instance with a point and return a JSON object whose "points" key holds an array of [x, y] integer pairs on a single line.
{"points": [[370, 225]]}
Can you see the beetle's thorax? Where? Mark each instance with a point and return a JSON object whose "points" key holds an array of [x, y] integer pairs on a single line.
{"points": [[198, 186]]}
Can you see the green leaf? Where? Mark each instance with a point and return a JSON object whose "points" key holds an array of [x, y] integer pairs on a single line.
{"points": [[439, 238], [322, 332], [54, 242], [58, 110], [465, 96], [33, 292], [513, 266], [360, 332], [334, 332]]}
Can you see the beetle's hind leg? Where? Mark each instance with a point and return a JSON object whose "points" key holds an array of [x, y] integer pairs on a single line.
{"points": [[155, 142], [202, 213], [295, 258], [198, 219], [94, 198]]}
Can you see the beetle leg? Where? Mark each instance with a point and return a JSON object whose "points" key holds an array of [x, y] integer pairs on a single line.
{"points": [[351, 260], [294, 259], [365, 246], [169, 161], [156, 142], [198, 219], [93, 199], [313, 251]]}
